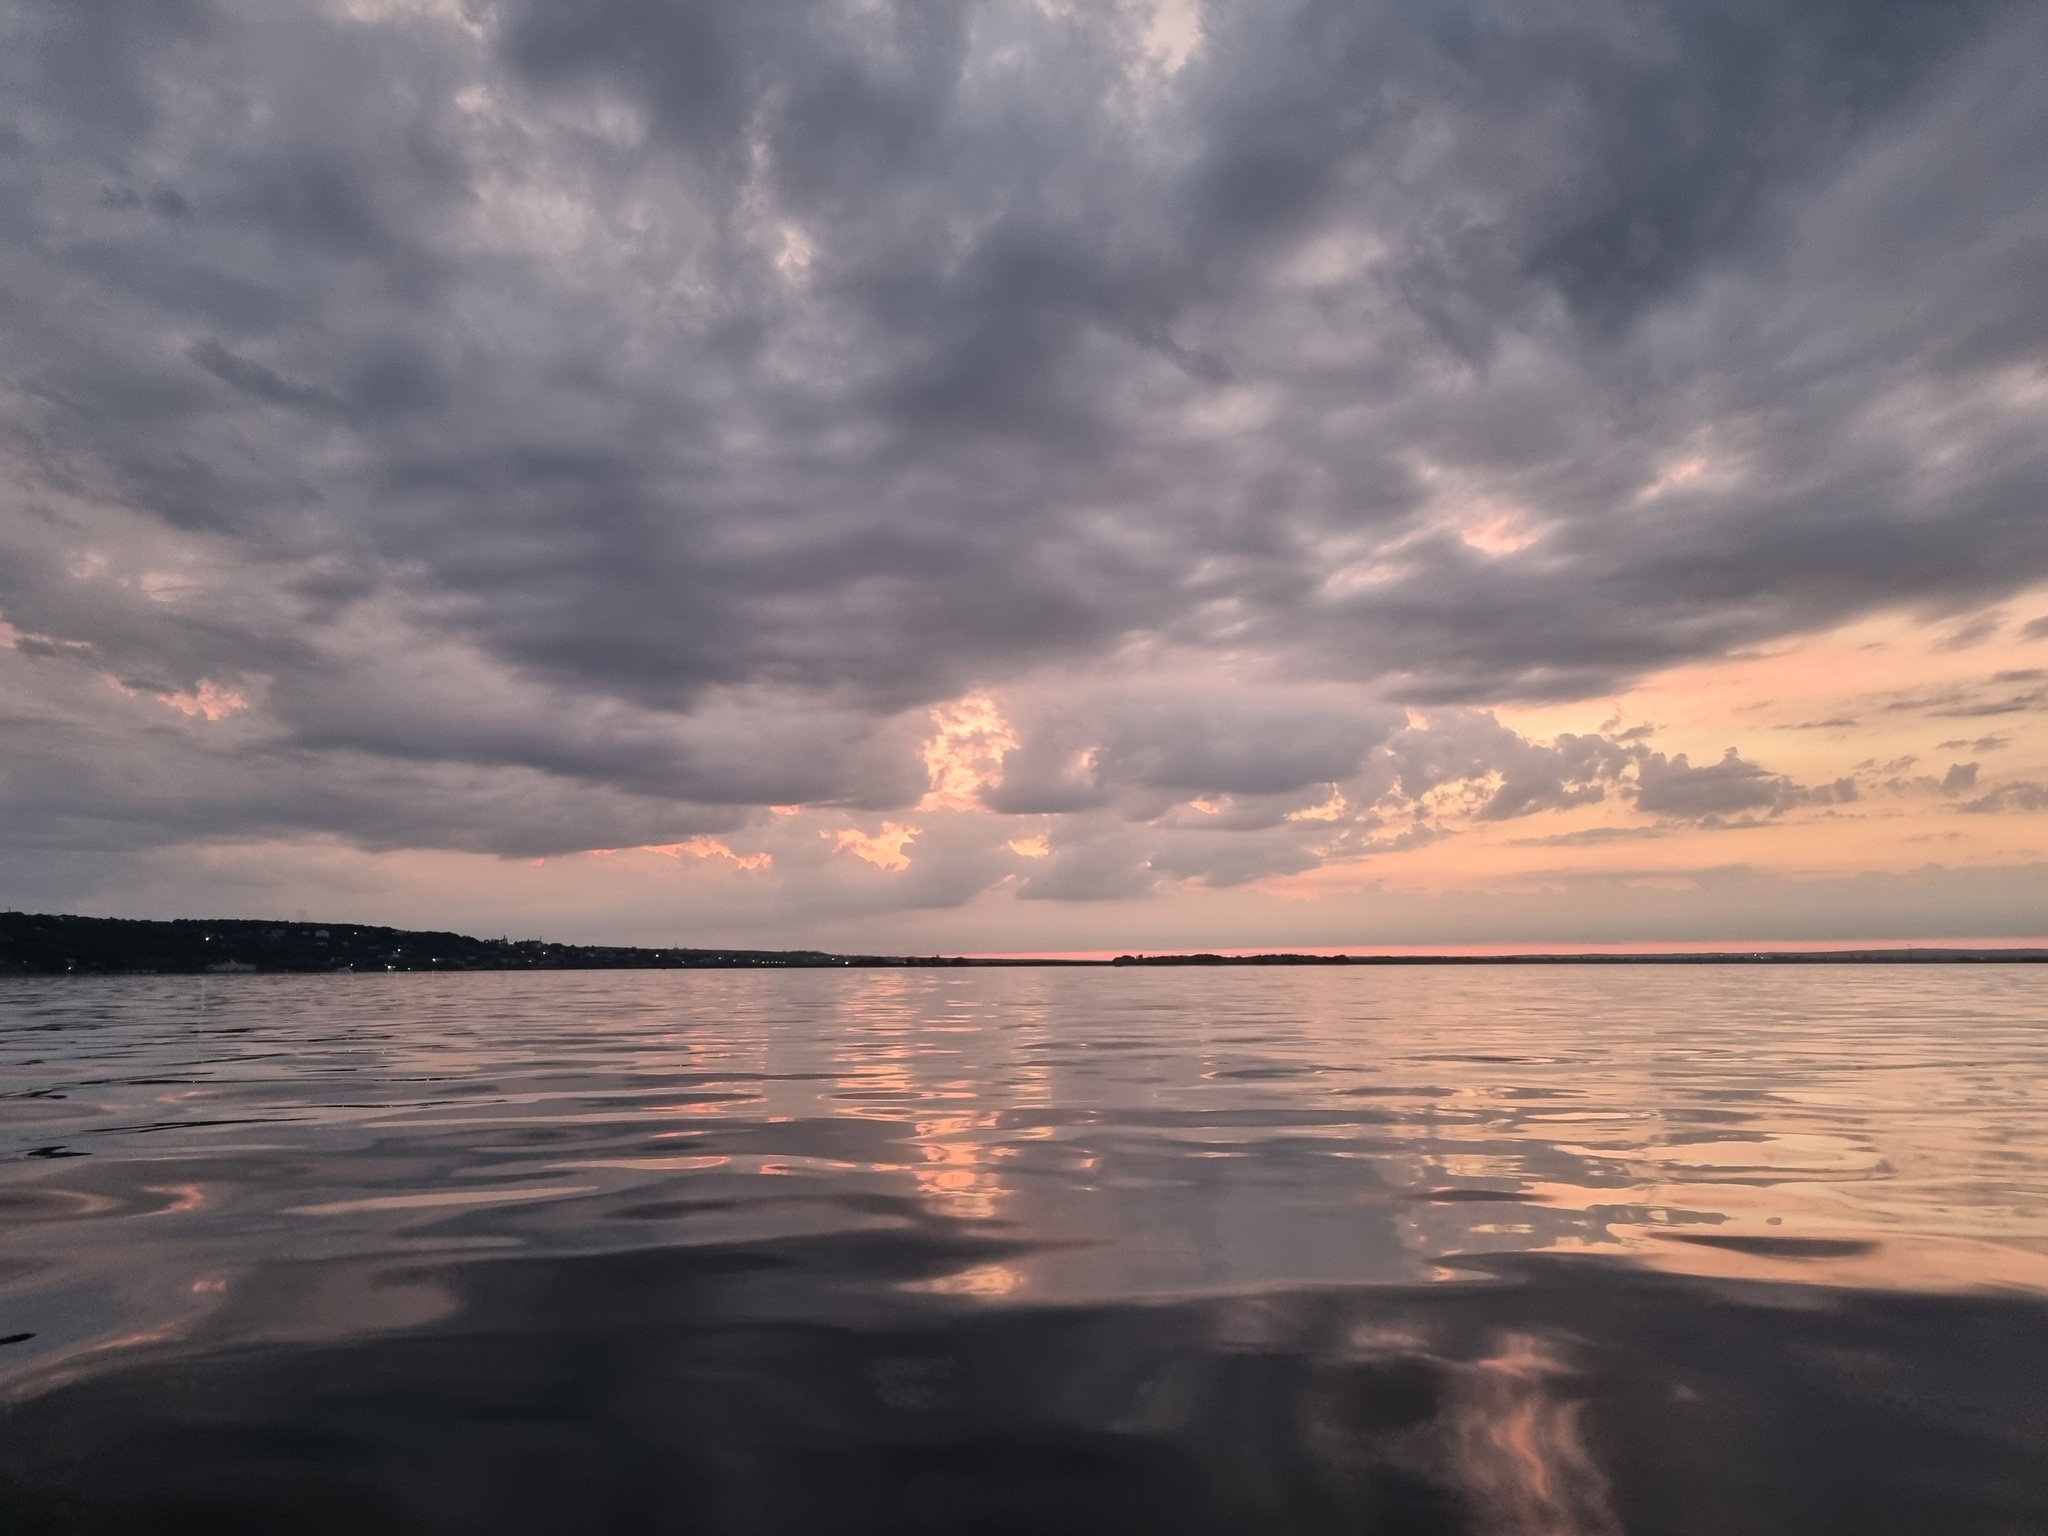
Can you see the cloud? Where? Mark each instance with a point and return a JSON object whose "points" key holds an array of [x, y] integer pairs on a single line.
{"points": [[2016, 691], [1108, 868], [886, 849], [1081, 752], [2021, 796], [1589, 837], [1673, 787], [582, 426], [1224, 859], [1520, 777]]}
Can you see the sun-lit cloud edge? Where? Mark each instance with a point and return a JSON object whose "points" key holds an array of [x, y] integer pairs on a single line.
{"points": [[1793, 765]]}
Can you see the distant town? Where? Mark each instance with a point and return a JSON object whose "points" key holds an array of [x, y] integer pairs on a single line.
{"points": [[55, 944]]}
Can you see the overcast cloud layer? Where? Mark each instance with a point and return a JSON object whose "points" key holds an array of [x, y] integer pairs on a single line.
{"points": [[1127, 444]]}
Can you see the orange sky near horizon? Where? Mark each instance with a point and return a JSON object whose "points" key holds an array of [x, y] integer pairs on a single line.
{"points": [[1890, 703]]}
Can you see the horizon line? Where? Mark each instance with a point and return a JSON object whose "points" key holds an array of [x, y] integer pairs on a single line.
{"points": [[1538, 950]]}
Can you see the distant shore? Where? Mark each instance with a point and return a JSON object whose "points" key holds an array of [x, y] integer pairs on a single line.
{"points": [[55, 944]]}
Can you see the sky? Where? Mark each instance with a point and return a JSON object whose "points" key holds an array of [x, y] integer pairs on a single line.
{"points": [[1064, 475]]}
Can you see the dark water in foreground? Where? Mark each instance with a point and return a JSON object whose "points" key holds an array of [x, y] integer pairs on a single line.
{"points": [[1529, 1252]]}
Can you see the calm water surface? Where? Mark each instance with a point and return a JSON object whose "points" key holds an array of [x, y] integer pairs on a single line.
{"points": [[1537, 1250]]}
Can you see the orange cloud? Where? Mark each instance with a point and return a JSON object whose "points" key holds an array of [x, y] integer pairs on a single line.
{"points": [[702, 848], [883, 849], [966, 753], [208, 700]]}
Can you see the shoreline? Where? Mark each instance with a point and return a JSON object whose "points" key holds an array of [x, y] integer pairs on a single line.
{"points": [[52, 944]]}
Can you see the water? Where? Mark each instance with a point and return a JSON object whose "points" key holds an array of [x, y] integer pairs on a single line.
{"points": [[1545, 1250]]}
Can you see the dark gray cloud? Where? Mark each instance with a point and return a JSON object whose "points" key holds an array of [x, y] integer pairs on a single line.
{"points": [[2022, 796], [586, 419], [1105, 868], [1076, 754], [1520, 776], [2014, 692], [1731, 787]]}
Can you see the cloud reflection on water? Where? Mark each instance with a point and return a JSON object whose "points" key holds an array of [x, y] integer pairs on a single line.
{"points": [[1122, 1134]]}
